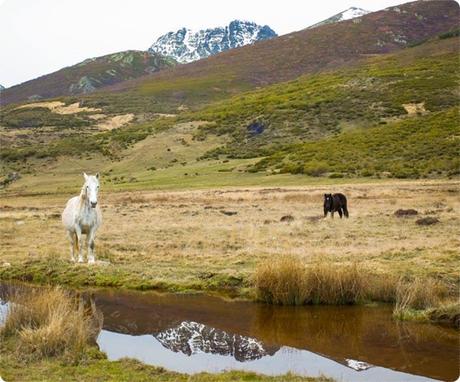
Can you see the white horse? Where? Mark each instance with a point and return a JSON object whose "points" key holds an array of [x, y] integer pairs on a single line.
{"points": [[82, 215]]}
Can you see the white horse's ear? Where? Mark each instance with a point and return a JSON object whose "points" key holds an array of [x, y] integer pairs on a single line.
{"points": [[86, 176], [97, 175]]}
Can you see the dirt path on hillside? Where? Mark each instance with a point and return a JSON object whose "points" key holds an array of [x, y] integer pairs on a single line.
{"points": [[60, 107]]}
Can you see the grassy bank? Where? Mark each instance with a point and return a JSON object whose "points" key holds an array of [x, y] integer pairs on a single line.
{"points": [[126, 370], [447, 314], [55, 271], [49, 336]]}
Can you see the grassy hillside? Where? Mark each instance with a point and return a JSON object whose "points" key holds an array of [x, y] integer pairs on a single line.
{"points": [[305, 126], [78, 142], [304, 52], [418, 147], [88, 76], [409, 83]]}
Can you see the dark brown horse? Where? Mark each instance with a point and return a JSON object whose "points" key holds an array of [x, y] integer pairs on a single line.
{"points": [[335, 203]]}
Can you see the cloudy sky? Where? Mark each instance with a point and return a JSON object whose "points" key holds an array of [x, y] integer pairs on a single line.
{"points": [[40, 36]]}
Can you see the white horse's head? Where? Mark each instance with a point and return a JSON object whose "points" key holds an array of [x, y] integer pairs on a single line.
{"points": [[91, 188]]}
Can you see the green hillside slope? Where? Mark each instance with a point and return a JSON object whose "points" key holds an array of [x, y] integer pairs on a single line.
{"points": [[87, 76], [419, 80], [427, 146]]}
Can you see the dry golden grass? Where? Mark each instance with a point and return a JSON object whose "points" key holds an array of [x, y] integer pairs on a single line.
{"points": [[419, 294], [339, 284], [183, 237], [383, 287], [287, 281], [415, 298], [283, 281], [49, 322]]}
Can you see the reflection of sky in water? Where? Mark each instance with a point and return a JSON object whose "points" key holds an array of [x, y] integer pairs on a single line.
{"points": [[3, 311], [150, 350]]}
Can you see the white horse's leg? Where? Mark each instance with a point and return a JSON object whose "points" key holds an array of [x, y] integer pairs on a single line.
{"points": [[71, 237], [91, 237], [79, 244]]}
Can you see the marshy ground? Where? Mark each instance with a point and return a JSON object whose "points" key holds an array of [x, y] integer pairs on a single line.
{"points": [[214, 239]]}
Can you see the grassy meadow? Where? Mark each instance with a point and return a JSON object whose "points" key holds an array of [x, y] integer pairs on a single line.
{"points": [[214, 239], [262, 243]]}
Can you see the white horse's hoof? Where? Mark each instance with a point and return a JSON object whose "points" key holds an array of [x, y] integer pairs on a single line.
{"points": [[80, 259], [91, 261]]}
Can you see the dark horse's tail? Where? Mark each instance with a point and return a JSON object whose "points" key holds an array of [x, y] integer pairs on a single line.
{"points": [[344, 206]]}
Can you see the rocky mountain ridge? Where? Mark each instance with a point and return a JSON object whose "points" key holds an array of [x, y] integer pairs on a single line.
{"points": [[186, 45]]}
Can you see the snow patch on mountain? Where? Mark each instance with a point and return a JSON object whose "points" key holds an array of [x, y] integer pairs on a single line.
{"points": [[186, 45], [352, 13], [348, 14]]}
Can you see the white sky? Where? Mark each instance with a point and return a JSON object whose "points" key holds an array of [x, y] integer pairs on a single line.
{"points": [[41, 36]]}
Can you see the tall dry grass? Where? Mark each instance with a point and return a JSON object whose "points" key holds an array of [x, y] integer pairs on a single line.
{"points": [[287, 281], [282, 282], [49, 322], [418, 294]]}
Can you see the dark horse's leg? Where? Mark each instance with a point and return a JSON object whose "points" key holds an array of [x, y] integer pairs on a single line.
{"points": [[340, 212], [344, 207]]}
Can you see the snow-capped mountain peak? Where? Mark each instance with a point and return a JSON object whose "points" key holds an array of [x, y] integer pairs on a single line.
{"points": [[352, 13], [186, 45], [348, 14]]}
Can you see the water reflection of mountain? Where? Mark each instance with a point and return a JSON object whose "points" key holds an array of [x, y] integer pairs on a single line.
{"points": [[191, 337], [367, 334]]}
